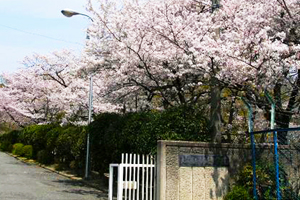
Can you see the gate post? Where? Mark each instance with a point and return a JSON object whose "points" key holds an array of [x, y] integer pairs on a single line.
{"points": [[120, 182], [161, 180], [110, 186]]}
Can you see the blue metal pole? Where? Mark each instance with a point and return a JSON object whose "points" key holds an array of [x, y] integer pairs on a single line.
{"points": [[275, 145], [253, 166], [276, 165], [250, 128]]}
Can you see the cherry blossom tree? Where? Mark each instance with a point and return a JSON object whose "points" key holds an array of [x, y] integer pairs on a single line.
{"points": [[50, 88], [159, 54], [273, 58], [23, 97], [171, 49]]}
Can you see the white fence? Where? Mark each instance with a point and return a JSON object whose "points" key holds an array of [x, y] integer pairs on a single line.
{"points": [[136, 178]]}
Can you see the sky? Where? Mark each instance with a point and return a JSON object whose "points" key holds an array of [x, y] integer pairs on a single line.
{"points": [[37, 26]]}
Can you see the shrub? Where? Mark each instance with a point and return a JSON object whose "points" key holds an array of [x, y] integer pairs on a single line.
{"points": [[107, 140], [35, 135], [44, 157], [8, 139], [6, 146], [27, 151], [238, 192], [51, 138], [266, 184], [70, 145], [18, 149]]}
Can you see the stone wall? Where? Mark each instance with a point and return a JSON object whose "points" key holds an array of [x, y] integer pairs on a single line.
{"points": [[197, 170]]}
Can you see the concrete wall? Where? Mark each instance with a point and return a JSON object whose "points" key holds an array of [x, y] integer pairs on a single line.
{"points": [[211, 181]]}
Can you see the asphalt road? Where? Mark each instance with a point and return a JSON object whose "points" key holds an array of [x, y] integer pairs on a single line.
{"points": [[20, 181]]}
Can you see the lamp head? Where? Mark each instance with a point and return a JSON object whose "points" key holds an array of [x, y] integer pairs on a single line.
{"points": [[69, 13]]}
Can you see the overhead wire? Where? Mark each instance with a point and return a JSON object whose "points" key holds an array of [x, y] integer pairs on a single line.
{"points": [[40, 35]]}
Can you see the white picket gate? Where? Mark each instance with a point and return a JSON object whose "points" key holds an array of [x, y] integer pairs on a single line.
{"points": [[136, 178]]}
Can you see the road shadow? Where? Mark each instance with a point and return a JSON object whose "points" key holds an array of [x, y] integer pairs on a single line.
{"points": [[95, 193], [82, 188], [70, 182]]}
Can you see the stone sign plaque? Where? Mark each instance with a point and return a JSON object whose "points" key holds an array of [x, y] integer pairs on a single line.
{"points": [[203, 161]]}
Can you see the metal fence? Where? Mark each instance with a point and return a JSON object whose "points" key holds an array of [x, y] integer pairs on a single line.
{"points": [[276, 163]]}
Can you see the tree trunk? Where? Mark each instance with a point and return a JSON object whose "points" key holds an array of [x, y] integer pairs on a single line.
{"points": [[215, 111], [283, 117], [215, 102]]}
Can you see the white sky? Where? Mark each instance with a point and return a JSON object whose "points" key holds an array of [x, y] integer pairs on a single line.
{"points": [[37, 26]]}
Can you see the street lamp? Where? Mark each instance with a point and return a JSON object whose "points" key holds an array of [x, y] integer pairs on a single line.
{"points": [[69, 13]]}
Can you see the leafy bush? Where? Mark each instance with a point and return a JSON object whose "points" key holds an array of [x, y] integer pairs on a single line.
{"points": [[106, 140], [238, 192], [70, 145], [8, 139], [27, 151], [35, 135], [266, 182], [18, 149], [51, 137], [44, 157], [6, 146]]}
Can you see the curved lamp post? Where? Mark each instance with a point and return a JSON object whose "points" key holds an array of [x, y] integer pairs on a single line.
{"points": [[69, 13]]}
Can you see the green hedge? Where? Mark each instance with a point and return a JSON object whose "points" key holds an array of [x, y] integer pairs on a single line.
{"points": [[110, 135], [44, 157], [48, 143], [70, 145], [36, 135], [113, 134]]}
